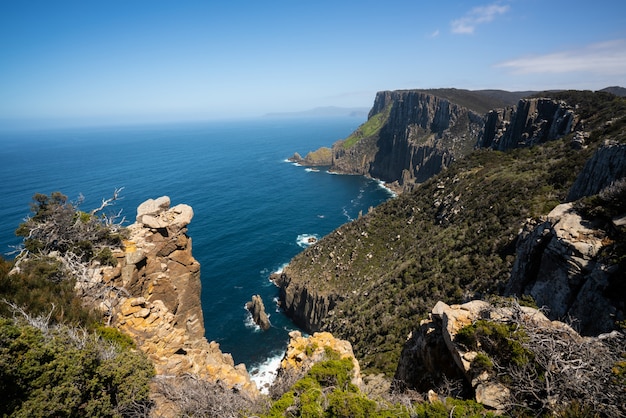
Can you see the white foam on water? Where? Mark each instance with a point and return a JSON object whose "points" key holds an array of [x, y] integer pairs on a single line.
{"points": [[249, 321], [382, 185], [280, 269], [305, 240], [264, 374], [346, 214]]}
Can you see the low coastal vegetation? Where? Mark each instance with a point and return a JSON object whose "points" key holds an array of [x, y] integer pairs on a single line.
{"points": [[452, 240], [56, 356], [327, 391]]}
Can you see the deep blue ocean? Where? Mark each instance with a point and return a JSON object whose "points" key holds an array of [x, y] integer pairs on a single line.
{"points": [[253, 210]]}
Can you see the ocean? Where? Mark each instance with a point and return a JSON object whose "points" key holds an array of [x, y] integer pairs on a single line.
{"points": [[253, 210]]}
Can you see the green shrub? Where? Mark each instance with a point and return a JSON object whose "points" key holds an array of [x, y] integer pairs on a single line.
{"points": [[500, 339], [68, 372], [350, 404], [106, 257], [42, 287], [115, 336]]}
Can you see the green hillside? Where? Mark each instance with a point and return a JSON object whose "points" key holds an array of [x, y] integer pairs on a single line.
{"points": [[452, 239]]}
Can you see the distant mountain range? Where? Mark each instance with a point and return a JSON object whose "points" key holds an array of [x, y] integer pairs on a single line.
{"points": [[616, 90]]}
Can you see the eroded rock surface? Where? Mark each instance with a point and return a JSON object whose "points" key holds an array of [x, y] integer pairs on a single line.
{"points": [[531, 122], [303, 352], [558, 264], [607, 165], [153, 295], [431, 354]]}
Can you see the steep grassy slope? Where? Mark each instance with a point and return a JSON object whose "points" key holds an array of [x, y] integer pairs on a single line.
{"points": [[452, 239]]}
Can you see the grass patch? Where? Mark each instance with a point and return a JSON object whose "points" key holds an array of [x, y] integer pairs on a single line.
{"points": [[369, 128]]}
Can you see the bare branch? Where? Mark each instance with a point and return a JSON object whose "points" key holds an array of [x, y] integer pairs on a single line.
{"points": [[107, 202]]}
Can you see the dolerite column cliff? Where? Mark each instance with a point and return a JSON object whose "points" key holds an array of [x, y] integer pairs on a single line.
{"points": [[157, 298], [532, 121], [419, 134], [306, 305]]}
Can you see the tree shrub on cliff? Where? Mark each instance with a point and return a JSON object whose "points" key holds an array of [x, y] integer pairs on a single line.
{"points": [[40, 285], [59, 226], [327, 392], [50, 370]]}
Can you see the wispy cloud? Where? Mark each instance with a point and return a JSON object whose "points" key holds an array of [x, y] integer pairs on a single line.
{"points": [[435, 34], [606, 58], [477, 16]]}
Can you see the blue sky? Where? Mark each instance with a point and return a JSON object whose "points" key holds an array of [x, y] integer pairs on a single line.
{"points": [[136, 61]]}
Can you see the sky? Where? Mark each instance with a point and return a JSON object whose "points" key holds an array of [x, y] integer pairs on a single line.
{"points": [[125, 61]]}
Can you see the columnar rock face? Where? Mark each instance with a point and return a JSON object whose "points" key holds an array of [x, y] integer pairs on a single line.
{"points": [[422, 135], [558, 264], [305, 306], [607, 165], [154, 296], [532, 121], [416, 134]]}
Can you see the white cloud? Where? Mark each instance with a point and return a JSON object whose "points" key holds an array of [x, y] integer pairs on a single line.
{"points": [[435, 34], [606, 58], [477, 16]]}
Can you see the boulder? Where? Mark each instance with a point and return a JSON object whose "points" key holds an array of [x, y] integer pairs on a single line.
{"points": [[152, 207], [156, 214]]}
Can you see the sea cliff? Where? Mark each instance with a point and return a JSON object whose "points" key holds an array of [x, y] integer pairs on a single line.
{"points": [[411, 135], [468, 232]]}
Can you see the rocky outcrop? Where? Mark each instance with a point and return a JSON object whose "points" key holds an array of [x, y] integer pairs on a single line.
{"points": [[531, 122], [318, 158], [607, 165], [433, 355], [306, 307], [558, 263], [153, 295], [257, 310], [303, 352], [420, 134]]}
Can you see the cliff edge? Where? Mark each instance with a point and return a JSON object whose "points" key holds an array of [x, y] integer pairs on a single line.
{"points": [[154, 297]]}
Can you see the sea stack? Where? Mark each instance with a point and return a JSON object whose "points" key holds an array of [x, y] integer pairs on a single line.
{"points": [[257, 309]]}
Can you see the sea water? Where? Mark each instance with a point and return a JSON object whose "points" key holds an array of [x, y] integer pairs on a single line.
{"points": [[253, 210]]}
